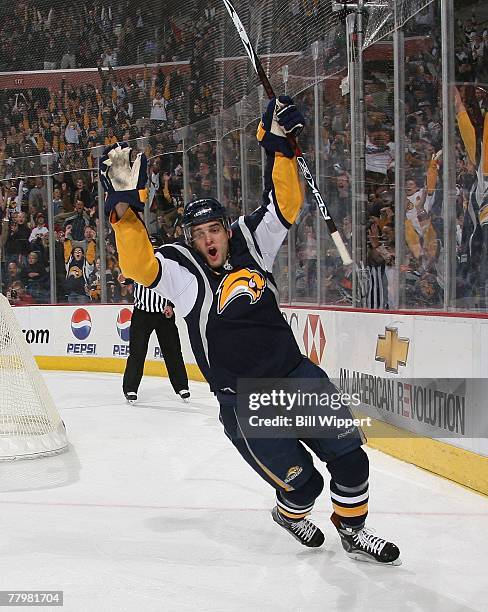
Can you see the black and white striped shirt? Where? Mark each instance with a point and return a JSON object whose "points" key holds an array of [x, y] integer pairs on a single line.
{"points": [[376, 288], [148, 300]]}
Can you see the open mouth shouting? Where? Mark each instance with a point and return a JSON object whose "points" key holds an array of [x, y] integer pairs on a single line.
{"points": [[212, 241], [212, 254]]}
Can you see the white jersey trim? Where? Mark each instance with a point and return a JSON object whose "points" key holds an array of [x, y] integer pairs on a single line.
{"points": [[207, 300], [270, 234]]}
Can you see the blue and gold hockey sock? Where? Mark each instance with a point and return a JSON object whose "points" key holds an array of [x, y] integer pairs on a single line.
{"points": [[350, 503]]}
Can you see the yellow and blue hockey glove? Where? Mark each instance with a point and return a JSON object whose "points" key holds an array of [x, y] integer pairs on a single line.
{"points": [[281, 118], [123, 179]]}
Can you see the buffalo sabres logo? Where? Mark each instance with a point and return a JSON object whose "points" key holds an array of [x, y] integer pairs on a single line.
{"points": [[293, 472], [241, 282]]}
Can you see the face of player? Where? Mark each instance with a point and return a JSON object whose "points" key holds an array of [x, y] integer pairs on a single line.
{"points": [[212, 241]]}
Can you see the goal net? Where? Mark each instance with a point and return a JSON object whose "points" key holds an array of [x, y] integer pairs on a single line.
{"points": [[30, 425]]}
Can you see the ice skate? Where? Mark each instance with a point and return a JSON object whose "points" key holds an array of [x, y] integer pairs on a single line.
{"points": [[131, 397], [302, 530], [361, 544]]}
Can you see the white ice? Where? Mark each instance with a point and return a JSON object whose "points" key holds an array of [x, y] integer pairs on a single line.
{"points": [[153, 509]]}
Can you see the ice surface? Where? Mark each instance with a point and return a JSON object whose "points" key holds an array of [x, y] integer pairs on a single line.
{"points": [[153, 509]]}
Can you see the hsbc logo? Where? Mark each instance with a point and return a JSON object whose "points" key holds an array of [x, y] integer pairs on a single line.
{"points": [[314, 338]]}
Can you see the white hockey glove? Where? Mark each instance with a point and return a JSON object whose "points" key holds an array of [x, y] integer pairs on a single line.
{"points": [[123, 180]]}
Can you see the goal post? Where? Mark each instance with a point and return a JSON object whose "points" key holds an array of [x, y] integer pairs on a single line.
{"points": [[30, 425]]}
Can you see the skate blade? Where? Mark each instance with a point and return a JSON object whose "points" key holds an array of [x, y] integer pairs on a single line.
{"points": [[368, 559]]}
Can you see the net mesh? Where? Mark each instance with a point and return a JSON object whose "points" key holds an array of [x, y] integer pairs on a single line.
{"points": [[174, 80], [30, 425], [92, 73], [385, 16]]}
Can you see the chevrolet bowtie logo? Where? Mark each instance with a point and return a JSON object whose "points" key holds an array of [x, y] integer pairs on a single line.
{"points": [[392, 350]]}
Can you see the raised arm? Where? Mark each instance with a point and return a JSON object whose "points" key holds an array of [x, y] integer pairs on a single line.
{"points": [[466, 128], [283, 196], [136, 256]]}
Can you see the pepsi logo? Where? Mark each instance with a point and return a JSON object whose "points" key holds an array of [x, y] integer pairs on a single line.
{"points": [[123, 324], [81, 324]]}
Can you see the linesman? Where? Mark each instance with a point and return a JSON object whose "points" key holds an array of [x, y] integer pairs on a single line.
{"points": [[152, 312]]}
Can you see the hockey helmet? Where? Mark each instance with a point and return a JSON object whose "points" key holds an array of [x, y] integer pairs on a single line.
{"points": [[203, 211]]}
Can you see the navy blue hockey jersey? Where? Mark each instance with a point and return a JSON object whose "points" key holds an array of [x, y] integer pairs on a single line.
{"points": [[234, 322]]}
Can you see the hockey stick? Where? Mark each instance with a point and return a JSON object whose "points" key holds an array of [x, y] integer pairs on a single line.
{"points": [[258, 67]]}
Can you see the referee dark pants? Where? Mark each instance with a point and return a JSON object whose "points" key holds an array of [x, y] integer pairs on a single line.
{"points": [[142, 325]]}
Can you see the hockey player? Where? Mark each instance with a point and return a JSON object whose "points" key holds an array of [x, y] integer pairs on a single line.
{"points": [[221, 282]]}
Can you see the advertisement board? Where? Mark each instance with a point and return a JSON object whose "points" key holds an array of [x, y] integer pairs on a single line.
{"points": [[425, 374], [86, 331], [421, 373]]}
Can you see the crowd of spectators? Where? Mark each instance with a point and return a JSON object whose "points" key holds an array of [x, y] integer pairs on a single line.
{"points": [[69, 118], [420, 283], [154, 105], [51, 34], [69, 121]]}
